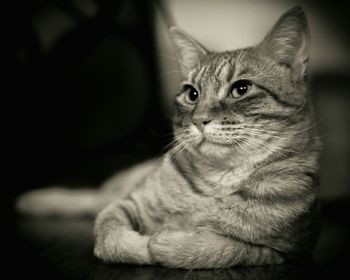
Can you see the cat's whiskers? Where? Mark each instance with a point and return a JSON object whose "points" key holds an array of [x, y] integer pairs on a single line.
{"points": [[287, 133], [182, 141], [179, 152], [267, 133], [251, 146], [276, 133], [237, 145], [170, 144], [169, 72], [175, 59], [247, 135], [265, 144]]}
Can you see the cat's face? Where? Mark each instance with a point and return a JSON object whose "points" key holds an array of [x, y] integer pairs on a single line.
{"points": [[246, 102]]}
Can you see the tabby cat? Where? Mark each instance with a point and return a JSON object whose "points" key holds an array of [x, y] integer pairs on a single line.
{"points": [[239, 185]]}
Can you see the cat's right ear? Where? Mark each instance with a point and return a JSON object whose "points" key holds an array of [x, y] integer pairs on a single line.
{"points": [[289, 41], [189, 51]]}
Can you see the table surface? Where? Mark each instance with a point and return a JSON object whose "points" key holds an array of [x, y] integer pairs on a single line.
{"points": [[62, 249]]}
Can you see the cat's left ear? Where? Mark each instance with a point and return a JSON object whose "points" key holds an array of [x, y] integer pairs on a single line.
{"points": [[189, 51], [289, 41]]}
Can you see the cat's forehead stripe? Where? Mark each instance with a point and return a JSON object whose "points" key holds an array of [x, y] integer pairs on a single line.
{"points": [[225, 68], [197, 77], [222, 69], [218, 66], [227, 71]]}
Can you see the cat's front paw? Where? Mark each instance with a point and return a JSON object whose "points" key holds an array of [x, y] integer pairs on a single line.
{"points": [[107, 248], [169, 248], [122, 246]]}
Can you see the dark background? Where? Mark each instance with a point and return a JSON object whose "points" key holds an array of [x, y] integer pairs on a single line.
{"points": [[90, 103]]}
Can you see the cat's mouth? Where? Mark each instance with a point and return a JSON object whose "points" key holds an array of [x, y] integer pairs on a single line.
{"points": [[215, 142], [210, 139], [214, 149], [220, 138]]}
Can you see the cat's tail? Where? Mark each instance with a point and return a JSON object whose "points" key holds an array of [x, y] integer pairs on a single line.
{"points": [[63, 202]]}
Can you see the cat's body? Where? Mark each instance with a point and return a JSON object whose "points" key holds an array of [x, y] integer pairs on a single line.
{"points": [[239, 187]]}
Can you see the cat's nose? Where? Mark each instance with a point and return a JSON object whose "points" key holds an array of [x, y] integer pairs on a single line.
{"points": [[201, 122], [206, 122]]}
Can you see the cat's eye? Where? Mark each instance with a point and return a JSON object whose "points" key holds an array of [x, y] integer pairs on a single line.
{"points": [[191, 94], [240, 88]]}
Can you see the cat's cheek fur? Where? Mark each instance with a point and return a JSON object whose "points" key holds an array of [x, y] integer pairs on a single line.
{"points": [[195, 134]]}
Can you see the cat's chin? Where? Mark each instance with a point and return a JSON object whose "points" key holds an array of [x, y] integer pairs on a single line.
{"points": [[214, 150]]}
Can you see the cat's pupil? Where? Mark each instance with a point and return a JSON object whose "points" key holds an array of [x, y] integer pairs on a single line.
{"points": [[193, 94], [242, 89]]}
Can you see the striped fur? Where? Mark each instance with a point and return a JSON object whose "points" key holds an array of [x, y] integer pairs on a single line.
{"points": [[239, 185]]}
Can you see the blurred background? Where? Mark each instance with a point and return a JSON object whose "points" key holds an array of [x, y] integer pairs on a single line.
{"points": [[92, 83]]}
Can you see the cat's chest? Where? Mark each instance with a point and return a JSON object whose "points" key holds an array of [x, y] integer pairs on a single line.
{"points": [[200, 212], [189, 199], [193, 209], [220, 184]]}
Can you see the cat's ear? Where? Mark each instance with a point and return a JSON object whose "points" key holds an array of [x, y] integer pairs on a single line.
{"points": [[289, 41], [189, 51]]}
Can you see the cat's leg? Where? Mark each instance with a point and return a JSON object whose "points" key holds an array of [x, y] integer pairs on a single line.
{"points": [[206, 249], [116, 237]]}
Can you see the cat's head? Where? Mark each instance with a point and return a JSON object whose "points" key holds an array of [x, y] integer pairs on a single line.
{"points": [[247, 102]]}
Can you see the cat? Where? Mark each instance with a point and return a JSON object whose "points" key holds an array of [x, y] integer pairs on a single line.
{"points": [[239, 186]]}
